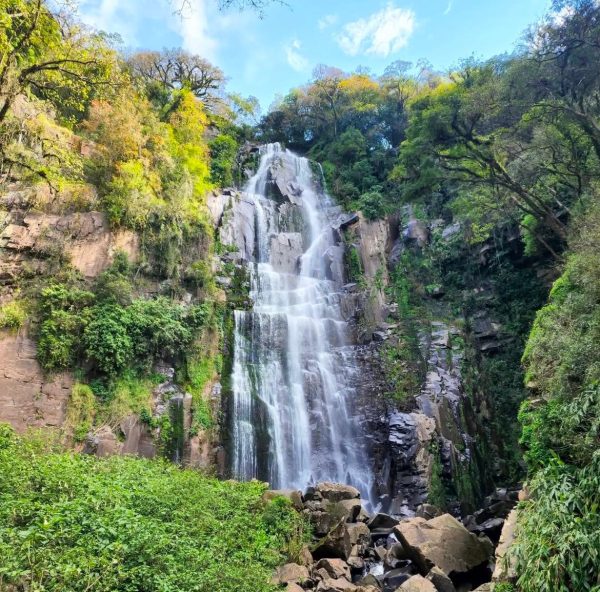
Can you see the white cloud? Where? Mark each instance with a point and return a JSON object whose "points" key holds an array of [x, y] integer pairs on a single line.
{"points": [[111, 16], [129, 17], [294, 58], [194, 31], [449, 7], [380, 34], [327, 21]]}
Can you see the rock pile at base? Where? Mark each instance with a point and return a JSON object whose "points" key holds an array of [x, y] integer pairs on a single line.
{"points": [[356, 552]]}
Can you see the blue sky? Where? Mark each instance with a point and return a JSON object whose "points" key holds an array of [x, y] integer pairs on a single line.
{"points": [[266, 57]]}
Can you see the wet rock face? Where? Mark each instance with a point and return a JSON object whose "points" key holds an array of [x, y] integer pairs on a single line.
{"points": [[134, 437]]}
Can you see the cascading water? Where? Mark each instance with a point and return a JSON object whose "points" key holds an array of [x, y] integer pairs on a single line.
{"points": [[294, 365]]}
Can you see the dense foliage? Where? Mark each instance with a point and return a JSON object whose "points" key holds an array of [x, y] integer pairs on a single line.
{"points": [[72, 523], [559, 525]]}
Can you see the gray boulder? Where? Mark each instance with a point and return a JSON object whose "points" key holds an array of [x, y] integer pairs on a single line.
{"points": [[336, 492], [443, 542]]}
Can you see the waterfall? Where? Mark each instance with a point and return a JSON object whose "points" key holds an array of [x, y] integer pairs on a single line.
{"points": [[294, 369]]}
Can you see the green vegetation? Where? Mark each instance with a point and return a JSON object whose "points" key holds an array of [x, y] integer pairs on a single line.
{"points": [[559, 525], [80, 411], [108, 334], [72, 523], [12, 315]]}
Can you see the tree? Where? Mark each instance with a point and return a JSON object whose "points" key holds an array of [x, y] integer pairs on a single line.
{"points": [[561, 72], [50, 55], [468, 131], [176, 69], [256, 5]]}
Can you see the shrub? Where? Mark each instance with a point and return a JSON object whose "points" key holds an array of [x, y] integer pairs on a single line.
{"points": [[77, 523], [12, 315], [130, 195], [7, 436], [559, 530], [223, 150], [372, 203], [127, 394], [106, 339], [558, 538], [80, 411]]}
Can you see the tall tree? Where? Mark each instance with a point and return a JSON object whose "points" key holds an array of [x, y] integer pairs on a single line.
{"points": [[176, 69], [48, 54], [562, 67]]}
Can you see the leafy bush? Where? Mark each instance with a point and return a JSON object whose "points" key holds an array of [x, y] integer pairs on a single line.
{"points": [[558, 539], [223, 150], [558, 542], [372, 203], [130, 196], [63, 312], [80, 411], [12, 315], [107, 342], [73, 523], [110, 330]]}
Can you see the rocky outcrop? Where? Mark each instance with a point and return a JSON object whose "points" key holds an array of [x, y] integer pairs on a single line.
{"points": [[84, 238], [371, 240], [409, 443], [505, 570], [291, 572], [28, 398], [133, 438], [417, 584]]}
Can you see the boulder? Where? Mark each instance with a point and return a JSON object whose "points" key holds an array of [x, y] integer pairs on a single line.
{"points": [[440, 580], [356, 563], [443, 542], [505, 565], [335, 568], [428, 511], [293, 495], [323, 522], [394, 555], [305, 556], [363, 515], [335, 544], [370, 580], [312, 495], [333, 585], [290, 572], [292, 587], [395, 577], [491, 528], [417, 584], [485, 588], [359, 537], [336, 492], [353, 507], [382, 521]]}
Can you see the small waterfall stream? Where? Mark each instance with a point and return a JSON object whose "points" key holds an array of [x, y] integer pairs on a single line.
{"points": [[294, 366]]}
